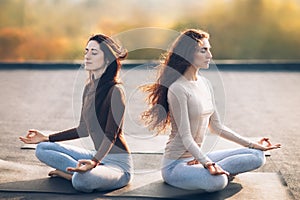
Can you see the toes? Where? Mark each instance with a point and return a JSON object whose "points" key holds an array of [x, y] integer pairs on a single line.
{"points": [[52, 173]]}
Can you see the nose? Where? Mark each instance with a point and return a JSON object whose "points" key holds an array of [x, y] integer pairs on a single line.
{"points": [[209, 54], [87, 55]]}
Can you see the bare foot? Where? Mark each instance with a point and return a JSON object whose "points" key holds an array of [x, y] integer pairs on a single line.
{"points": [[58, 173], [231, 177]]}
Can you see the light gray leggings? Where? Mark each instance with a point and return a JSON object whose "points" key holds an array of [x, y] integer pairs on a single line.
{"points": [[116, 171], [192, 177]]}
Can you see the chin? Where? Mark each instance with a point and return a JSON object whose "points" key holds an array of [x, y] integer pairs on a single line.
{"points": [[87, 68], [204, 66]]}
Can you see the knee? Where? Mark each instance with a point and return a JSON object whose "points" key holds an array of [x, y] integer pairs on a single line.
{"points": [[218, 183], [80, 182], [40, 150], [260, 157]]}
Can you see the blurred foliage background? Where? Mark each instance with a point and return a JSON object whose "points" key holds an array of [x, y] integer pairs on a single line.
{"points": [[59, 29]]}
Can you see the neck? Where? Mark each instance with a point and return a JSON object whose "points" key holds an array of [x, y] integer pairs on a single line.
{"points": [[98, 72], [191, 73]]}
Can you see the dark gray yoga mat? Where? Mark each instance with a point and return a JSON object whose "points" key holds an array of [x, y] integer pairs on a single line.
{"points": [[245, 186], [157, 189], [160, 189], [44, 185], [252, 185]]}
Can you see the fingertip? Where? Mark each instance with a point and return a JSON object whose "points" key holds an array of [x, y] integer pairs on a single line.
{"points": [[69, 169]]}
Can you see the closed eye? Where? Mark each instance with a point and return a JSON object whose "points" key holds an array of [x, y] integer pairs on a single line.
{"points": [[203, 50], [94, 51]]}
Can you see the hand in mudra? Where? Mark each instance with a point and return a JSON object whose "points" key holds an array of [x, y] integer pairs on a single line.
{"points": [[265, 144], [212, 167], [215, 169], [83, 166], [34, 137]]}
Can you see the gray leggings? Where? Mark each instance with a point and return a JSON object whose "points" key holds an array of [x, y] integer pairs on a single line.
{"points": [[192, 177], [116, 171]]}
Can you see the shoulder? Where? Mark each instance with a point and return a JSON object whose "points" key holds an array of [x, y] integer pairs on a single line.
{"points": [[179, 87], [117, 92], [117, 88]]}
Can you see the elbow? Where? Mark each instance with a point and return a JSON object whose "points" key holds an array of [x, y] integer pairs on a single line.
{"points": [[82, 132], [215, 129], [112, 137]]}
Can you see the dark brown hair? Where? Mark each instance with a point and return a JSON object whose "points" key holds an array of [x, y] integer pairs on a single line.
{"points": [[113, 54], [177, 60]]}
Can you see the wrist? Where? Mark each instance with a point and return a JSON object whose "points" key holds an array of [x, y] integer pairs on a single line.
{"points": [[208, 164], [95, 163], [259, 147], [46, 138], [251, 145]]}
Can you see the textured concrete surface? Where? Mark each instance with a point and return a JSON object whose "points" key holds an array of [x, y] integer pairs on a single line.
{"points": [[255, 104]]}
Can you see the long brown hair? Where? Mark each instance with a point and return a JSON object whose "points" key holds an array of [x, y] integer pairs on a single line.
{"points": [[113, 54], [177, 60]]}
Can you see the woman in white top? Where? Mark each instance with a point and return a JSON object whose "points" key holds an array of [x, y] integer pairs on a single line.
{"points": [[183, 99]]}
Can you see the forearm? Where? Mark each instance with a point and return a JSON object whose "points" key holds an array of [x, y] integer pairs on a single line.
{"points": [[193, 148], [103, 150], [216, 127], [228, 134], [68, 134]]}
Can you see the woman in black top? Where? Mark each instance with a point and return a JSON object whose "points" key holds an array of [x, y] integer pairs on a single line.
{"points": [[110, 165]]}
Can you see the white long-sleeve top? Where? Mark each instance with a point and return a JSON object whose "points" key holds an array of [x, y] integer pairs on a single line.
{"points": [[192, 114]]}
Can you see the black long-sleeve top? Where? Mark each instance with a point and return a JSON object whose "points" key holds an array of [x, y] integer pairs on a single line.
{"points": [[102, 122]]}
